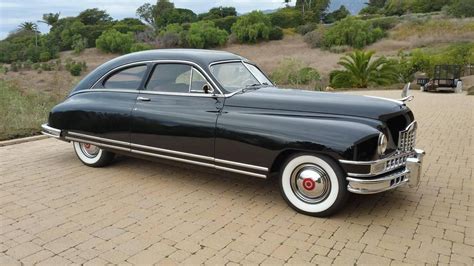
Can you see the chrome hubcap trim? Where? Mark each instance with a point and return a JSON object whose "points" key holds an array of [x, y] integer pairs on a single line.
{"points": [[310, 183], [89, 150]]}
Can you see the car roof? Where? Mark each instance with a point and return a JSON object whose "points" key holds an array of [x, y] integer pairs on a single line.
{"points": [[198, 56]]}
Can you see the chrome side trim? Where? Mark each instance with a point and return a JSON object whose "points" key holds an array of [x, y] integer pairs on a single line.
{"points": [[172, 158], [192, 155], [99, 138], [259, 168], [98, 144], [211, 164], [240, 171]]}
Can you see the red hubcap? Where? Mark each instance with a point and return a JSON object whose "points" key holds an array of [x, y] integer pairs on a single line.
{"points": [[309, 184], [87, 145]]}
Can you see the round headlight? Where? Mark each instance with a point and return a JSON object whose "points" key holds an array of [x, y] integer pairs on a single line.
{"points": [[382, 144]]}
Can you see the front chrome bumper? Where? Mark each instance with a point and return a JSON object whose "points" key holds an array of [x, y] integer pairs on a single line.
{"points": [[377, 176], [50, 131]]}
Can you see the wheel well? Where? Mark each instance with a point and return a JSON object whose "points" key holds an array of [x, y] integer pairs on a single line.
{"points": [[280, 159]]}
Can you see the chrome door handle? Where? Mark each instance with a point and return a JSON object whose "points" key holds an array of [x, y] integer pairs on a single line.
{"points": [[143, 99]]}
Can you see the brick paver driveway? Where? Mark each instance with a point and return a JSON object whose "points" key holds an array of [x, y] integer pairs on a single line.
{"points": [[54, 210]]}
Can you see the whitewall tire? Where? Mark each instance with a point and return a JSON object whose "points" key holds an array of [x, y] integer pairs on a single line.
{"points": [[92, 155], [313, 184]]}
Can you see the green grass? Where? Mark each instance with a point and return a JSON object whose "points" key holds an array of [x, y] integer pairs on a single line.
{"points": [[21, 114]]}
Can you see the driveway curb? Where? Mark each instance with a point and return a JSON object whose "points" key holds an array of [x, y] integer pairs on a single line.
{"points": [[21, 140]]}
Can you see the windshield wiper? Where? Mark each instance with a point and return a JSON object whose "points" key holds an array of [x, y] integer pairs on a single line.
{"points": [[252, 87], [257, 85]]}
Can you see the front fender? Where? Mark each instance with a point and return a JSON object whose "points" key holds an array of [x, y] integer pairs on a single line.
{"points": [[257, 137]]}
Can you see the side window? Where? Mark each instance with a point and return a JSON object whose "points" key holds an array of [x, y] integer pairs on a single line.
{"points": [[199, 84], [126, 79], [170, 78]]}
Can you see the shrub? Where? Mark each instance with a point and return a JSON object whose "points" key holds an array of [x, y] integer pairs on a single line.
{"points": [[286, 18], [291, 71], [306, 28], [225, 23], [3, 69], [353, 32], [44, 56], [315, 38], [461, 8], [14, 67], [169, 40], [204, 34], [276, 34], [113, 41], [360, 71], [76, 69], [385, 23], [79, 44], [252, 27], [136, 47]]}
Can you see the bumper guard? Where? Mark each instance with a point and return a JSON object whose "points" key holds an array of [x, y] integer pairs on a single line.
{"points": [[386, 174]]}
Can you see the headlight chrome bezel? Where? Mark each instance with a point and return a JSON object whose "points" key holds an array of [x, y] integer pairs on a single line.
{"points": [[382, 144]]}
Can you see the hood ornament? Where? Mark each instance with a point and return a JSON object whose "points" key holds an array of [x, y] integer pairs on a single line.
{"points": [[405, 92]]}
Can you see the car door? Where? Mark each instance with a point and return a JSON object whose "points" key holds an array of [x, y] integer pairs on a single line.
{"points": [[104, 112], [175, 115]]}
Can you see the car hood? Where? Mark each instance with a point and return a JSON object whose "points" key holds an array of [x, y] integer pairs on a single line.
{"points": [[316, 102]]}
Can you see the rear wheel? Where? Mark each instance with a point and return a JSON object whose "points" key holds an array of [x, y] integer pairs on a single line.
{"points": [[313, 184], [92, 155]]}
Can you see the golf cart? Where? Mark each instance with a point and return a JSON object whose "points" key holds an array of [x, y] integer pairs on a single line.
{"points": [[445, 78]]}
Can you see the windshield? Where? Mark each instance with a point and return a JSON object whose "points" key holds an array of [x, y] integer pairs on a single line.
{"points": [[237, 75]]}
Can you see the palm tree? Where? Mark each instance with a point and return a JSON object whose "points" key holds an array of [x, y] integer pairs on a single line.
{"points": [[360, 70], [50, 18], [30, 27]]}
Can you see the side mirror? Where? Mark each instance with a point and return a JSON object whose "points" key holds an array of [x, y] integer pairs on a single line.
{"points": [[207, 89]]}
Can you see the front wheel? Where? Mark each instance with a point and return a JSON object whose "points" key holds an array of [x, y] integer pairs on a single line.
{"points": [[313, 184], [92, 155]]}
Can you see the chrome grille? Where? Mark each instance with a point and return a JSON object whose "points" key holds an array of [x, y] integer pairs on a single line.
{"points": [[406, 138]]}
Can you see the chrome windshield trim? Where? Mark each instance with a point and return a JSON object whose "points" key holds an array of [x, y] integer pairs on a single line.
{"points": [[230, 94]]}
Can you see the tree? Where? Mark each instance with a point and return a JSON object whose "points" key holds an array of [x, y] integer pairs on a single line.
{"points": [[336, 15], [164, 13], [94, 16], [253, 27], [51, 18], [360, 70], [312, 10], [461, 8], [28, 27], [218, 12]]}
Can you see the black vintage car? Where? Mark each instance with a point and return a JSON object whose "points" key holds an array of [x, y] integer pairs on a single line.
{"points": [[220, 111]]}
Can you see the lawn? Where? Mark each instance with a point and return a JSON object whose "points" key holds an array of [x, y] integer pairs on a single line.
{"points": [[22, 113]]}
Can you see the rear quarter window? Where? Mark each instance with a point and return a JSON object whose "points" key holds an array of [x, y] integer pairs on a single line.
{"points": [[126, 79]]}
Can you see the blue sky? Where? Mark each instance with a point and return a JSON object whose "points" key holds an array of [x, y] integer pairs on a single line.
{"points": [[14, 12]]}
